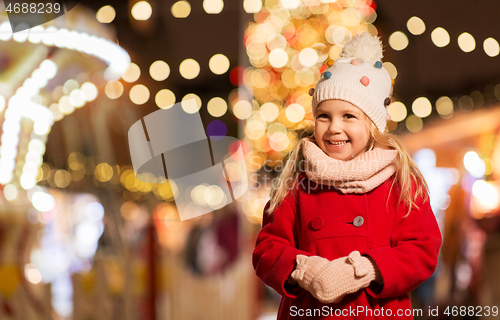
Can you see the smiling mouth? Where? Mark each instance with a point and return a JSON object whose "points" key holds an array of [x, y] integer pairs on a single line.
{"points": [[338, 144]]}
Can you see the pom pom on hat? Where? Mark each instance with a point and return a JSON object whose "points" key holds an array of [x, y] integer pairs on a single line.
{"points": [[364, 46], [358, 77]]}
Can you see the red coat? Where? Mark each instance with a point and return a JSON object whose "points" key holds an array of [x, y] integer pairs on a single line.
{"points": [[322, 221]]}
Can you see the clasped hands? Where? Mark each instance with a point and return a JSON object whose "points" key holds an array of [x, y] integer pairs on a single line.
{"points": [[329, 281]]}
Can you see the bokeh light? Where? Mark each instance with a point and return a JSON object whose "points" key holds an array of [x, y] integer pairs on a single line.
{"points": [[398, 111], [278, 58], [491, 47], [474, 164], [295, 113], [269, 111], [142, 10], [139, 94], [106, 14], [65, 106], [415, 25], [113, 89], [181, 9], [191, 103], [242, 109], [391, 68], [308, 57], [165, 99], [252, 6], [421, 107], [466, 42], [189, 69], [414, 124], [159, 70], [132, 73], [440, 37], [444, 107], [217, 107], [398, 41], [218, 64], [89, 91], [213, 6]]}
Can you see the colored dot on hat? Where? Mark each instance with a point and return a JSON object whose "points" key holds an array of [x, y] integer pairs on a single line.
{"points": [[311, 92], [392, 81], [330, 63], [354, 62], [327, 75], [365, 81], [378, 64]]}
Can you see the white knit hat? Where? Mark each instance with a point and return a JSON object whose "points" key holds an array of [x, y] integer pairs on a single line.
{"points": [[358, 77]]}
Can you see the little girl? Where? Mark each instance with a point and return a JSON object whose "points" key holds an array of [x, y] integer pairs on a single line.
{"points": [[349, 231]]}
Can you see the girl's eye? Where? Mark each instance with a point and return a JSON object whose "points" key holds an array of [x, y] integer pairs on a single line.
{"points": [[322, 115], [349, 116]]}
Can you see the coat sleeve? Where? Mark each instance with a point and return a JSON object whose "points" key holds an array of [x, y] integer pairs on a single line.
{"points": [[412, 257], [276, 249]]}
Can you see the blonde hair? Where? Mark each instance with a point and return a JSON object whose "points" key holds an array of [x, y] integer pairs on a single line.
{"points": [[406, 172]]}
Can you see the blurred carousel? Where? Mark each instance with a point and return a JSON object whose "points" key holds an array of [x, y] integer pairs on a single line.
{"points": [[47, 73]]}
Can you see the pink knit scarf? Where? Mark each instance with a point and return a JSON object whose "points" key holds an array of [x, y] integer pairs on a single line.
{"points": [[359, 175]]}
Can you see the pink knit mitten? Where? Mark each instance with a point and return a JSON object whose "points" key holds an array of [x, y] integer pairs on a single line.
{"points": [[330, 282]]}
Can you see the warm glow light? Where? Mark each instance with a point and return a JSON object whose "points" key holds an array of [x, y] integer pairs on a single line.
{"points": [[213, 6], [159, 70], [219, 64], [466, 42], [165, 99], [269, 111], [421, 107], [103, 172], [444, 106], [191, 103], [217, 107], [77, 98], [106, 14], [33, 275], [242, 109], [398, 41], [113, 89], [10, 192], [189, 69], [139, 94], [393, 72], [62, 178], [415, 25], [474, 165], [65, 106], [142, 10], [89, 91], [181, 9], [132, 73], [487, 194], [397, 110], [440, 37], [252, 6], [289, 4], [278, 58], [71, 85], [337, 35], [308, 57], [491, 47], [295, 113], [414, 124], [43, 201]]}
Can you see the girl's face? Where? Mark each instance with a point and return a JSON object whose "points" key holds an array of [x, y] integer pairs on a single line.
{"points": [[341, 130]]}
